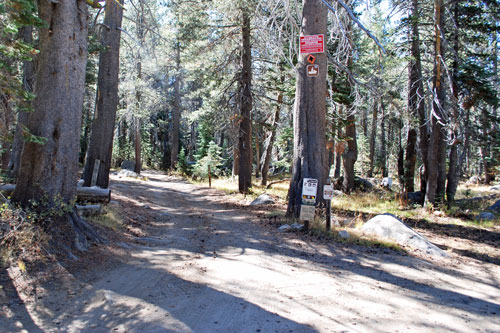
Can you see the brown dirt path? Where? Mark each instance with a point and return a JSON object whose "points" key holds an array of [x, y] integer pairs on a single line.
{"points": [[205, 266]]}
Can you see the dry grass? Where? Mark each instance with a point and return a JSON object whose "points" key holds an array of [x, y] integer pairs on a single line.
{"points": [[230, 187], [109, 218]]}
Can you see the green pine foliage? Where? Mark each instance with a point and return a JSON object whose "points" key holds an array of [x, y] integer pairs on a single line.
{"points": [[211, 162]]}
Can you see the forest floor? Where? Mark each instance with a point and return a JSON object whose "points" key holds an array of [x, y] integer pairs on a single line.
{"points": [[190, 259]]}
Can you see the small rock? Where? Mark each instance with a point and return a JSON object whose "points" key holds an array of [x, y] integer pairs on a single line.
{"points": [[485, 216], [263, 199], [438, 213], [495, 188], [128, 165], [386, 182], [474, 180], [80, 182], [284, 228], [344, 234], [335, 223], [495, 207], [297, 226]]}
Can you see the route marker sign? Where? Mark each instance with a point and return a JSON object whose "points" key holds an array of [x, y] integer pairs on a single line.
{"points": [[312, 70], [309, 191], [312, 44], [328, 192], [311, 59]]}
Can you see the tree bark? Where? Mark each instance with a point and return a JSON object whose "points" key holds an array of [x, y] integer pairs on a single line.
{"points": [[48, 171], [245, 128], [309, 116], [176, 111], [257, 150], [373, 135], [22, 117], [268, 148], [350, 157], [383, 141], [436, 157], [416, 105], [453, 169], [103, 125]]}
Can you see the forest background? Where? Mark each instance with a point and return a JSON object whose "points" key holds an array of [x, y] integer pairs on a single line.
{"points": [[209, 87]]}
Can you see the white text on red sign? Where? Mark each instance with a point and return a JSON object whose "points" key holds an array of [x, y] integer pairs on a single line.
{"points": [[312, 44]]}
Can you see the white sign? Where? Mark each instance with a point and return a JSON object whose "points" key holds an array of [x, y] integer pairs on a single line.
{"points": [[328, 192], [307, 212], [309, 188]]}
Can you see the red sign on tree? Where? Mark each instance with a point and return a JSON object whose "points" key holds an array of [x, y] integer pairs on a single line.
{"points": [[312, 44]]}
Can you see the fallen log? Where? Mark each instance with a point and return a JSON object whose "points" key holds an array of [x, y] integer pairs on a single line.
{"points": [[83, 194], [277, 182], [88, 210]]}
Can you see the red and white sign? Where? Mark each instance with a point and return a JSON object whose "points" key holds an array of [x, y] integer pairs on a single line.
{"points": [[312, 44]]}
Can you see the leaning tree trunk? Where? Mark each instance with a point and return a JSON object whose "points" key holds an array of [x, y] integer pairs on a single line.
{"points": [[268, 147], [103, 125], [309, 116], [48, 171], [245, 128]]}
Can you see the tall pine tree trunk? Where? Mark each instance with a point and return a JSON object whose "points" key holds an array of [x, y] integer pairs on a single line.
{"points": [[48, 172], [436, 158], [453, 169], [309, 115], [176, 111], [416, 106], [245, 129], [23, 116], [373, 135], [103, 125], [383, 141]]}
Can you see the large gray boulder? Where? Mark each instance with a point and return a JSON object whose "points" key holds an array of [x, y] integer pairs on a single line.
{"points": [[390, 228], [486, 216], [128, 165], [263, 199]]}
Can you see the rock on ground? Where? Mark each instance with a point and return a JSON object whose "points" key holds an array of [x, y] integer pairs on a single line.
{"points": [[495, 207], [128, 165], [263, 199], [344, 234], [486, 216], [388, 227]]}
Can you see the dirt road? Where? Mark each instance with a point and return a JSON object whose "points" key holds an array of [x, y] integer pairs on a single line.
{"points": [[208, 267]]}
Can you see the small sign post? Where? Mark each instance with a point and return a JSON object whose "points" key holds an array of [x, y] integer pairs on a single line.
{"points": [[328, 196]]}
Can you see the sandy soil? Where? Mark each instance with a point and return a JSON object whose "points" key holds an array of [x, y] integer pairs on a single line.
{"points": [[200, 265]]}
